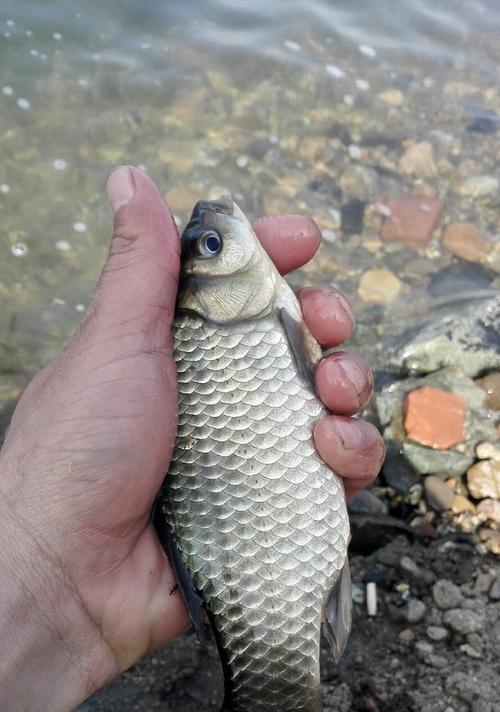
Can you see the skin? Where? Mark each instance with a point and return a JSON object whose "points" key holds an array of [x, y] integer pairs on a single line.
{"points": [[85, 587]]}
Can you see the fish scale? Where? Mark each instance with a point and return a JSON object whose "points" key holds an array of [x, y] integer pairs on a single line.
{"points": [[258, 518]]}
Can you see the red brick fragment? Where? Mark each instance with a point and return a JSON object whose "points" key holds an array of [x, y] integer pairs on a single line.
{"points": [[434, 418], [411, 219]]}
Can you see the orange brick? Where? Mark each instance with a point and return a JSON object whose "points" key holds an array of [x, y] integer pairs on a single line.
{"points": [[434, 418]]}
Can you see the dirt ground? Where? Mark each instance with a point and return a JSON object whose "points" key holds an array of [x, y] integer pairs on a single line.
{"points": [[413, 656]]}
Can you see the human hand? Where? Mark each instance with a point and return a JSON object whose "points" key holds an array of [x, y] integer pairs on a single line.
{"points": [[85, 590]]}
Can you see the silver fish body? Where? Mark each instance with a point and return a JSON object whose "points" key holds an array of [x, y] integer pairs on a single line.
{"points": [[256, 516]]}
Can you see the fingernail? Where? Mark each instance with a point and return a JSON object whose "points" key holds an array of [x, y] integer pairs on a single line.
{"points": [[352, 434], [120, 187], [356, 372]]}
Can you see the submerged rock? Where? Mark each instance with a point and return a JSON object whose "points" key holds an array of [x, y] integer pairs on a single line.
{"points": [[480, 187], [491, 384], [411, 219], [418, 160], [438, 494], [379, 286], [465, 240]]}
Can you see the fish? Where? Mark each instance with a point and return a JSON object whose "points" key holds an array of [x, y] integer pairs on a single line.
{"points": [[253, 521]]}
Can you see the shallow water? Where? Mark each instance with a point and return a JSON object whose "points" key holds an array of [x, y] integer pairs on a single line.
{"points": [[280, 102]]}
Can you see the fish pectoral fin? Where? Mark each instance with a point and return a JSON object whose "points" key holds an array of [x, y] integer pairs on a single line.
{"points": [[338, 612], [190, 596], [296, 337]]}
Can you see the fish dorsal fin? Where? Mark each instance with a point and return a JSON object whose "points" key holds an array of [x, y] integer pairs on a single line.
{"points": [[190, 596], [338, 611]]}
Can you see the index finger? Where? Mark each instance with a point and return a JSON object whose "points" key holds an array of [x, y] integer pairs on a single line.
{"points": [[289, 240]]}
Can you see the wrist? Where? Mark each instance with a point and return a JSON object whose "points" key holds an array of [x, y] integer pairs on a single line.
{"points": [[53, 655]]}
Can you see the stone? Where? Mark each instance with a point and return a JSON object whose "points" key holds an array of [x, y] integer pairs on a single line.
{"points": [[446, 594], [434, 418], [416, 611], [483, 479], [379, 286], [470, 651], [341, 699], [465, 240], [483, 583], [479, 187], [464, 621], [462, 504], [352, 215], [494, 592], [412, 219], [437, 493], [488, 451], [407, 636], [436, 633], [409, 567], [365, 502], [359, 182], [418, 160], [424, 648], [430, 462], [491, 509], [491, 384], [391, 97], [491, 538]]}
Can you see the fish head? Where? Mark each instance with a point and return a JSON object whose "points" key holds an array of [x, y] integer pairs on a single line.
{"points": [[225, 273]]}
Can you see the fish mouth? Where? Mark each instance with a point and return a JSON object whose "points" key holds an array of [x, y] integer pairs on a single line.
{"points": [[224, 206]]}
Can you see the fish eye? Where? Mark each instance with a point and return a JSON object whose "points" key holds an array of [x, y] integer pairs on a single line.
{"points": [[210, 243]]}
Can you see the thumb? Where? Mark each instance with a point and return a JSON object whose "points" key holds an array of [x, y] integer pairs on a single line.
{"points": [[138, 284]]}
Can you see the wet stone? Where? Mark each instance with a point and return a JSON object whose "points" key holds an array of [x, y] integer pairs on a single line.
{"points": [[379, 286], [494, 592], [358, 182], [491, 509], [416, 611], [483, 479], [483, 583], [466, 241], [407, 636], [352, 215], [391, 97], [446, 594], [491, 384], [436, 633], [434, 418], [412, 219], [365, 502], [463, 621], [480, 187], [438, 494], [461, 504], [397, 472], [418, 160]]}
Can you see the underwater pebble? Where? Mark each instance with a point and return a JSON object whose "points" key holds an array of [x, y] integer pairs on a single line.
{"points": [[10, 23], [491, 384], [63, 245], [464, 621], [391, 97], [79, 226], [479, 186], [354, 151], [348, 99], [34, 52], [491, 509], [439, 496], [57, 36], [23, 103], [7, 91], [465, 240], [412, 219], [428, 82], [83, 82], [483, 479], [362, 84], [416, 611], [28, 33], [19, 249], [446, 594], [418, 160], [80, 307], [378, 286], [293, 46], [367, 51], [242, 161], [4, 188], [59, 164], [329, 236], [335, 71], [6, 34]]}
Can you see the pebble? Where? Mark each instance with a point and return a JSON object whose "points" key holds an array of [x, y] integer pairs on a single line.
{"points": [[494, 592], [348, 99], [416, 611], [407, 636], [463, 621], [436, 633], [491, 509], [397, 472], [378, 286], [437, 493], [79, 226], [491, 538], [23, 103], [242, 161], [362, 84], [59, 164], [329, 236], [462, 504], [418, 160], [483, 583], [358, 181], [446, 595], [335, 71], [367, 50], [57, 36], [466, 241], [7, 91], [391, 97], [408, 566], [354, 152], [470, 651], [491, 384], [365, 502], [424, 648], [19, 249], [63, 246], [479, 186], [4, 188], [483, 479], [488, 451], [412, 219], [434, 417]]}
